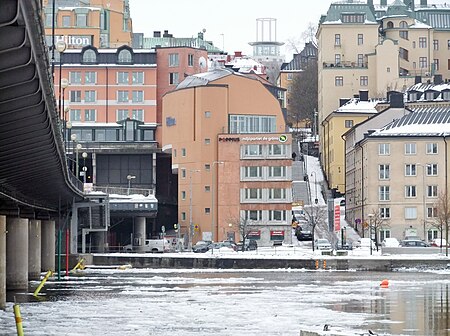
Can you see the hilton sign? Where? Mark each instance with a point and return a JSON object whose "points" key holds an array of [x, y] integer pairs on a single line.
{"points": [[74, 41]]}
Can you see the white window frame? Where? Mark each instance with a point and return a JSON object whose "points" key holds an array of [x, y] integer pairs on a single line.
{"points": [[432, 191], [410, 148], [384, 149], [383, 172], [432, 169], [385, 212], [277, 215], [384, 193], [410, 191], [410, 169], [123, 77], [90, 77], [75, 77], [250, 171], [432, 148], [410, 212]]}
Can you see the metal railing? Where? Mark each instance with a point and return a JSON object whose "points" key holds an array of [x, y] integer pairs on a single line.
{"points": [[124, 191]]}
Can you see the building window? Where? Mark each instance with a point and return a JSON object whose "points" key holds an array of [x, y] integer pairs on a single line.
{"points": [[207, 141], [252, 172], [89, 96], [410, 148], [125, 56], [89, 56], [422, 42], [121, 115], [432, 212], [277, 194], [290, 76], [207, 114], [277, 171], [75, 115], [190, 60], [337, 59], [183, 195], [75, 77], [339, 81], [207, 167], [252, 124], [89, 115], [183, 152], [403, 53], [75, 96], [410, 213], [353, 18], [410, 169], [383, 172], [435, 64], [432, 148], [403, 34], [137, 114], [183, 173], [410, 191], [337, 39], [432, 169], [277, 215], [253, 194], [90, 77], [207, 211], [207, 188], [277, 150], [348, 123], [384, 149], [423, 63], [252, 150], [364, 80], [360, 60], [122, 96], [253, 215], [173, 60], [137, 77], [122, 77], [183, 216], [383, 193], [432, 191], [436, 44], [173, 78], [385, 213], [81, 20], [360, 39], [138, 96]]}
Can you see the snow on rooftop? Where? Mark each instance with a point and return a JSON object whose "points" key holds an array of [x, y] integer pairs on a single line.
{"points": [[355, 105]]}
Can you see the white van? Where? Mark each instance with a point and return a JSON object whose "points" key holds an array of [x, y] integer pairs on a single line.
{"points": [[153, 246]]}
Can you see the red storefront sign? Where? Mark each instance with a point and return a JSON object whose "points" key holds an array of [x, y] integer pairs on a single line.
{"points": [[337, 218]]}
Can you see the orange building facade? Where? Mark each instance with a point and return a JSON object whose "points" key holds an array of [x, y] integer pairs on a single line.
{"points": [[226, 134]]}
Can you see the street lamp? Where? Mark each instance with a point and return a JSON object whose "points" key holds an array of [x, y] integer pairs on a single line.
{"points": [[129, 178], [191, 223], [213, 196], [370, 231], [316, 200], [61, 47], [77, 168], [84, 155], [423, 199]]}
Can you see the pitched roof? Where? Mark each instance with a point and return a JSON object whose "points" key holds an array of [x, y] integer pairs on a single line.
{"points": [[337, 9]]}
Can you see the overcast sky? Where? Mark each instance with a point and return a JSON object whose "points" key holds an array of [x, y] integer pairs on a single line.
{"points": [[236, 20]]}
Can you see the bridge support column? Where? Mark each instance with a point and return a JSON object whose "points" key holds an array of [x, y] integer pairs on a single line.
{"points": [[100, 240], [17, 253], [2, 262], [34, 249], [139, 234], [48, 240]]}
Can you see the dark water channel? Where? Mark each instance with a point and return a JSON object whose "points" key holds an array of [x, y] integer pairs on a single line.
{"points": [[245, 302]]}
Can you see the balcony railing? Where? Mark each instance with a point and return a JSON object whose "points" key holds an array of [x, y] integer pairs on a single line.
{"points": [[346, 64], [124, 191]]}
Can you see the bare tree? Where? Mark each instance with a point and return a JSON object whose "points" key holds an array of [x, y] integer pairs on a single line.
{"points": [[243, 227], [376, 223], [303, 96], [314, 215], [442, 206], [295, 44]]}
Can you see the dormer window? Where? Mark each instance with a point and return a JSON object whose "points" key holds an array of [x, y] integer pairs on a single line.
{"points": [[125, 56], [413, 96], [89, 56], [446, 95], [429, 95], [353, 18], [390, 24]]}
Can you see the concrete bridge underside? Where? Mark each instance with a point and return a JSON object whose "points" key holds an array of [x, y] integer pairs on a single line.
{"points": [[36, 188]]}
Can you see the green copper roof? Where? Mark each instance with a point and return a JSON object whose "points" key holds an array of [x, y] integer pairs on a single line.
{"points": [[164, 42], [337, 9]]}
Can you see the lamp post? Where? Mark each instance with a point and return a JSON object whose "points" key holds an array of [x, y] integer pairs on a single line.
{"points": [[213, 196], [77, 168], [61, 47], [84, 155], [370, 231], [316, 200], [129, 178], [191, 223]]}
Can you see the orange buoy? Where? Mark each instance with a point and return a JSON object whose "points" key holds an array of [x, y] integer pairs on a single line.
{"points": [[384, 283]]}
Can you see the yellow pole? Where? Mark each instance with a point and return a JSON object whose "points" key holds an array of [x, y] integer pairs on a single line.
{"points": [[48, 275], [18, 318], [79, 265]]}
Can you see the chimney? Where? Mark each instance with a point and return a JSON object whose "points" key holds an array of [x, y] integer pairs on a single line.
{"points": [[166, 33], [363, 95], [238, 54], [437, 79], [156, 34], [370, 4], [395, 99]]}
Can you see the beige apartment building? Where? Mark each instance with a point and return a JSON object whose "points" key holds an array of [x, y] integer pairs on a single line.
{"points": [[396, 170], [227, 136], [378, 48]]}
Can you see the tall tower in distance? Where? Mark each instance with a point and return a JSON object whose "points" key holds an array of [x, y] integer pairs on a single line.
{"points": [[266, 49]]}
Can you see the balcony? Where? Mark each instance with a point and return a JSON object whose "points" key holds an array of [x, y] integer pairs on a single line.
{"points": [[346, 64]]}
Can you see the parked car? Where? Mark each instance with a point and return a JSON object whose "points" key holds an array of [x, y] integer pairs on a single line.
{"points": [[201, 248], [438, 242], [414, 243], [322, 244], [390, 242], [228, 243], [304, 233], [249, 245], [152, 245], [344, 246], [365, 243]]}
